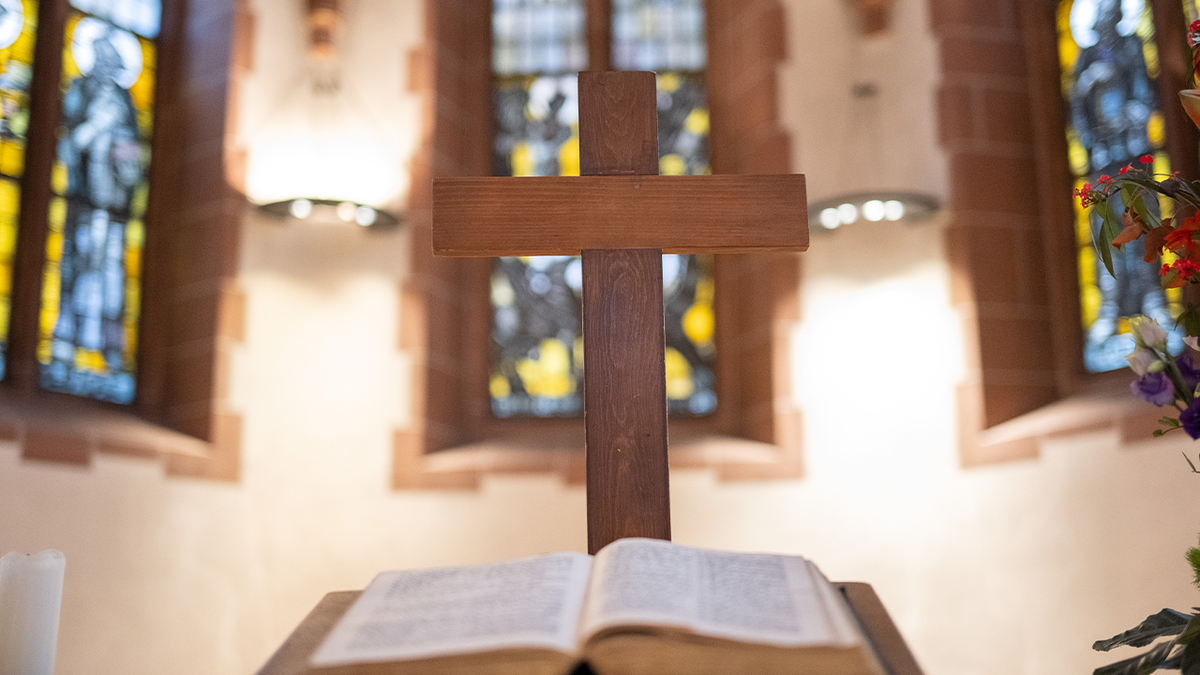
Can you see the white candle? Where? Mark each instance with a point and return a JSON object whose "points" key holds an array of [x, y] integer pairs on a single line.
{"points": [[30, 599]]}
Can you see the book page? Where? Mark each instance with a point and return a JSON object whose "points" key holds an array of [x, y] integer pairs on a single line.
{"points": [[531, 602], [769, 599]]}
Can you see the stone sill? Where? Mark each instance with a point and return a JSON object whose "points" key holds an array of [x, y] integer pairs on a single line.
{"points": [[528, 455], [61, 428], [1076, 414]]}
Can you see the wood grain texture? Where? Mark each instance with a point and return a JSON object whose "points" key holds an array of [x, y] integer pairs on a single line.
{"points": [[625, 390], [478, 217], [625, 396], [599, 38], [618, 124]]}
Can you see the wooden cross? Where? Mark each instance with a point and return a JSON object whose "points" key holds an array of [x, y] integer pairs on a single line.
{"points": [[621, 216]]}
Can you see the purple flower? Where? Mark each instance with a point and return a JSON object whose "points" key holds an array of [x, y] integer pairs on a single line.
{"points": [[1190, 419], [1191, 374], [1157, 389]]}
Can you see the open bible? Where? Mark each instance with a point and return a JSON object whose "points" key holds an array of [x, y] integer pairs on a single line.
{"points": [[640, 606]]}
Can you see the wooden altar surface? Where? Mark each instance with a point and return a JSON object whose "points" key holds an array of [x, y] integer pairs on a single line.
{"points": [[292, 657]]}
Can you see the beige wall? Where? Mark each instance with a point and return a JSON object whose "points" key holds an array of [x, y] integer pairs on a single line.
{"points": [[1000, 570]]}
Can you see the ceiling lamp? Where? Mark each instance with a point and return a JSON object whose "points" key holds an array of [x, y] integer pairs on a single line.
{"points": [[319, 155], [873, 207]]}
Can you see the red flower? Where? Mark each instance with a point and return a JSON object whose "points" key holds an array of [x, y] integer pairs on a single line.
{"points": [[1182, 236], [1083, 193], [1126, 168], [1189, 270], [1105, 179], [1147, 159], [1195, 27]]}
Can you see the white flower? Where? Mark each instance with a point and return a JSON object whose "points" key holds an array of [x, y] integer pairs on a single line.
{"points": [[1141, 359], [1147, 332]]}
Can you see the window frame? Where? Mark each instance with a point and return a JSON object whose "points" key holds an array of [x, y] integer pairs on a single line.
{"points": [[1024, 378], [191, 309], [446, 313]]}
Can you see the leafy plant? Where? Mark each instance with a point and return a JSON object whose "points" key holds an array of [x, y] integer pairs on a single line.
{"points": [[1180, 652], [1163, 379]]}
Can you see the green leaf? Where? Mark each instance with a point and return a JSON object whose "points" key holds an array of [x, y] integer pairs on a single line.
{"points": [[1189, 661], [1171, 424], [1193, 558], [1189, 319], [1150, 219], [1168, 278], [1147, 183], [1192, 189], [1146, 662], [1109, 228], [1189, 461], [1190, 631], [1166, 622], [1128, 194]]}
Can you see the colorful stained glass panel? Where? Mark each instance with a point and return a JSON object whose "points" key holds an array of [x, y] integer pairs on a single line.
{"points": [[538, 37], [537, 126], [91, 295], [537, 355], [658, 35], [18, 35], [140, 16], [1109, 63]]}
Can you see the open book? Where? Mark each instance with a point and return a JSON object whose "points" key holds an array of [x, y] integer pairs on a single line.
{"points": [[641, 606]]}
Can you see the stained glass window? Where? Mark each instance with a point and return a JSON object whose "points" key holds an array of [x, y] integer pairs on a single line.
{"points": [[91, 294], [667, 36], [658, 35], [538, 46], [538, 36], [1109, 64], [18, 34]]}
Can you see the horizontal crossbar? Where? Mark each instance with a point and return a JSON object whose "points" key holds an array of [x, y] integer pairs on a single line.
{"points": [[480, 217]]}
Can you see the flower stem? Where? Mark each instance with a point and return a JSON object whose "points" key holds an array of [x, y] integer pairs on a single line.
{"points": [[1176, 376]]}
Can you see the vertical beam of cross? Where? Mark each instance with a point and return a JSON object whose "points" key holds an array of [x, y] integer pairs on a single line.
{"points": [[625, 398], [611, 216]]}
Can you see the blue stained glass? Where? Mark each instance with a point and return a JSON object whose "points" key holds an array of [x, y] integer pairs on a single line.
{"points": [[537, 349], [18, 35], [658, 35], [91, 285], [538, 36], [1109, 62], [140, 16]]}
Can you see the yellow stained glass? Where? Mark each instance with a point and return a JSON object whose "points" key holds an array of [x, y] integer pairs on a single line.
{"points": [[12, 157], [18, 39], [679, 375], [1156, 129], [91, 298], [536, 361], [549, 374], [1109, 63]]}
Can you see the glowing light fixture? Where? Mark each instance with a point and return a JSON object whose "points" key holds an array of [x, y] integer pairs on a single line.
{"points": [[871, 206], [318, 156]]}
